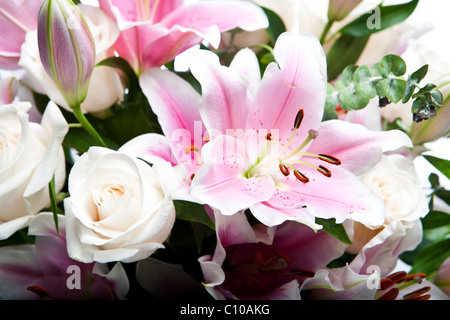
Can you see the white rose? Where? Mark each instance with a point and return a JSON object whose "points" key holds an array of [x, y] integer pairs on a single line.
{"points": [[395, 181], [105, 86], [120, 208], [30, 155]]}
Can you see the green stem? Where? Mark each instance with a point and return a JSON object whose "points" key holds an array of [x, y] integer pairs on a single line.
{"points": [[326, 30], [54, 205], [87, 126]]}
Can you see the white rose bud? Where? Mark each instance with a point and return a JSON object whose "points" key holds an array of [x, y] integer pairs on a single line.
{"points": [[30, 155], [120, 208]]}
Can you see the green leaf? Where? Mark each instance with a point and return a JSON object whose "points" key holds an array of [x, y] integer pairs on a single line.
{"points": [[336, 230], [392, 64], [129, 121], [435, 219], [131, 79], [388, 17], [394, 89], [344, 52], [364, 83], [413, 80], [441, 164], [193, 212], [431, 257], [276, 25]]}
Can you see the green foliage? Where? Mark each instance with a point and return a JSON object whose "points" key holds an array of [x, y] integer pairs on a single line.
{"points": [[389, 16], [359, 84], [335, 229], [352, 38]]}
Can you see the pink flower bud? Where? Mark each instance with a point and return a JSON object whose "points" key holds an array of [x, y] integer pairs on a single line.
{"points": [[66, 48]]}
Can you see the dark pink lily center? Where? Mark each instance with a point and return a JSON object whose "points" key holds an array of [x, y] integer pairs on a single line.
{"points": [[257, 269]]}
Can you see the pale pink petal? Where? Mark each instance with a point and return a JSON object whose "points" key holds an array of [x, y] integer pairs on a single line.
{"points": [[225, 96], [246, 63], [139, 10], [338, 284], [341, 196], [272, 214], [384, 249], [175, 102], [164, 48], [355, 146], [8, 90], [16, 19], [226, 15], [299, 82], [150, 147], [220, 178]]}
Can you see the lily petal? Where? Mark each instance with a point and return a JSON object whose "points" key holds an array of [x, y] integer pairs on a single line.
{"points": [[297, 82], [355, 146], [217, 183], [226, 15], [225, 96], [342, 196]]}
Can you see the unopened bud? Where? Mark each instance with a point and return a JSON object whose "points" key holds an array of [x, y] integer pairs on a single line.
{"points": [[66, 48]]}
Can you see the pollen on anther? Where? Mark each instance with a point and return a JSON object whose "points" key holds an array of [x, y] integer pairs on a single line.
{"points": [[324, 171], [300, 176], [329, 159], [269, 136], [299, 118], [284, 170]]}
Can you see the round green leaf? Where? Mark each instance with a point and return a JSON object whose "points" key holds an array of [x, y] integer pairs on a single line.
{"points": [[364, 83], [392, 64], [394, 89]]}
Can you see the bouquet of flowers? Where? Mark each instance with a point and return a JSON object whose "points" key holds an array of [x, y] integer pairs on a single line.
{"points": [[221, 150]]}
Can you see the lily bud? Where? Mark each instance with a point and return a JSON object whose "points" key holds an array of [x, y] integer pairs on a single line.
{"points": [[66, 48], [339, 9]]}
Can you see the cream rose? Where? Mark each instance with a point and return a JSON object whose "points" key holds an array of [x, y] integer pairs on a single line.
{"points": [[395, 181], [30, 155], [120, 208]]}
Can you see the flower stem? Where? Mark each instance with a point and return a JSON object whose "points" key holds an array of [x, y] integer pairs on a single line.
{"points": [[326, 30], [52, 192], [87, 126]]}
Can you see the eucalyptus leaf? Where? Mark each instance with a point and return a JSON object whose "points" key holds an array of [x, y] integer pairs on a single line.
{"points": [[394, 89], [392, 64], [364, 83]]}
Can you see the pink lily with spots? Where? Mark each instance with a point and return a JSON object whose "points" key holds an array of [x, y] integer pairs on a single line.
{"points": [[271, 152]]}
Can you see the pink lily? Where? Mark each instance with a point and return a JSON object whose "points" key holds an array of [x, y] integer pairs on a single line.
{"points": [[279, 160], [345, 284], [16, 19], [176, 104], [153, 32], [259, 262], [43, 269]]}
